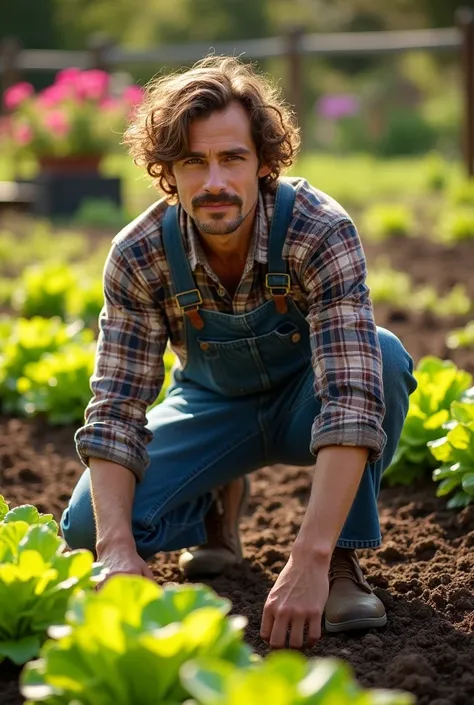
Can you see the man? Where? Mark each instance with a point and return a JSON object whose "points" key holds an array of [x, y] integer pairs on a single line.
{"points": [[258, 284]]}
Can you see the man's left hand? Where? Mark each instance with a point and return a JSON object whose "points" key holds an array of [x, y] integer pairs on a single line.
{"points": [[297, 599]]}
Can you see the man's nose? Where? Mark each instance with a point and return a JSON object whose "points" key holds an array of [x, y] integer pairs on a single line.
{"points": [[215, 182]]}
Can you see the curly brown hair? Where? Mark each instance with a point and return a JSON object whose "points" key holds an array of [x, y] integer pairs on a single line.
{"points": [[157, 134]]}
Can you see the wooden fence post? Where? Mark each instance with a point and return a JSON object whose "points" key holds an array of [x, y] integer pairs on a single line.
{"points": [[99, 45], [295, 72], [10, 50], [465, 22]]}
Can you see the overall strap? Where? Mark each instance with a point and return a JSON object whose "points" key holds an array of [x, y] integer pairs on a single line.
{"points": [[278, 279], [187, 296]]}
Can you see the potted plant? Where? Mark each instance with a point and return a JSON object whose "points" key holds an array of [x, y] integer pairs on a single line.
{"points": [[68, 128]]}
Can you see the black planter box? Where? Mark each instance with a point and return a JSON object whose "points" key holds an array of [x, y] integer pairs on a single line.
{"points": [[61, 194]]}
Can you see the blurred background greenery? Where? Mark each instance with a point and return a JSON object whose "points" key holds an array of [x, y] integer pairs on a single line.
{"points": [[395, 104]]}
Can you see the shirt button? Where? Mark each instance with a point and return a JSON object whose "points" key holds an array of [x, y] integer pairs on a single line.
{"points": [[204, 346], [221, 291], [296, 337]]}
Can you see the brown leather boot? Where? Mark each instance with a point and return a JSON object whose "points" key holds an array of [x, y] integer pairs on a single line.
{"points": [[351, 603], [223, 547]]}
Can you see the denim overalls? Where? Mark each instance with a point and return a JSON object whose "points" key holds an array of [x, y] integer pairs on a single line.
{"points": [[245, 399]]}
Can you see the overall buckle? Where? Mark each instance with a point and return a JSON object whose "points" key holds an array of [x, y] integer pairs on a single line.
{"points": [[279, 286], [189, 303]]}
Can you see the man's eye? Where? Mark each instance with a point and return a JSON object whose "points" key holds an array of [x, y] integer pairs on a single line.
{"points": [[233, 157], [193, 160]]}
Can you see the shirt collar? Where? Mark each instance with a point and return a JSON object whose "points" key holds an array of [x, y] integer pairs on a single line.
{"points": [[258, 249]]}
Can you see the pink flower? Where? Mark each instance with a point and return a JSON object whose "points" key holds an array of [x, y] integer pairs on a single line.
{"points": [[57, 122], [23, 134], [53, 95], [17, 94], [110, 104], [68, 77], [93, 84], [133, 95]]}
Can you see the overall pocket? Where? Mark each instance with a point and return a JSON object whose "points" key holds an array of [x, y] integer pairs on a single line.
{"points": [[254, 364]]}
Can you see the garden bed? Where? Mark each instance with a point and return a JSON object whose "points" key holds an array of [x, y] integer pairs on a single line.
{"points": [[424, 573]]}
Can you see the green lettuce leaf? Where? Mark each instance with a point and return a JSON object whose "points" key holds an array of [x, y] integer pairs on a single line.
{"points": [[455, 451], [36, 581], [112, 648], [29, 514], [433, 406], [3, 507], [281, 679]]}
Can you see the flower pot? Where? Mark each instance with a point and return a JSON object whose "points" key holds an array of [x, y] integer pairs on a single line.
{"points": [[64, 183], [71, 164]]}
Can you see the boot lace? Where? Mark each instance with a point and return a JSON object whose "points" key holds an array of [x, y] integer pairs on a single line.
{"points": [[345, 564]]}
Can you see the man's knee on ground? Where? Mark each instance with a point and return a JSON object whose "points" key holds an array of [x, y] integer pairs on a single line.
{"points": [[78, 530]]}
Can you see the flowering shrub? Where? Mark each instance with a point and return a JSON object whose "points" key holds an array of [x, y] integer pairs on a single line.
{"points": [[80, 114]]}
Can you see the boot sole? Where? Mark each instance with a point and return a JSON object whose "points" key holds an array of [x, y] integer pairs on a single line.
{"points": [[353, 624]]}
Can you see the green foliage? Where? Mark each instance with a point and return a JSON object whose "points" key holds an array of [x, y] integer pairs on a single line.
{"points": [[84, 301], [100, 212], [46, 366], [24, 341], [406, 132], [58, 384], [32, 241], [436, 172], [455, 452], [382, 221], [461, 337], [127, 643], [461, 193], [388, 286], [57, 289], [36, 581], [135, 642], [42, 290], [26, 513], [283, 678], [456, 225], [454, 303], [440, 383]]}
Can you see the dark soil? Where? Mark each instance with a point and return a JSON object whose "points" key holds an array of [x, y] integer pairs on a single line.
{"points": [[424, 572]]}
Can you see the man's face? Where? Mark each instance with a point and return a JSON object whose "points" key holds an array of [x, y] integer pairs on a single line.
{"points": [[217, 181]]}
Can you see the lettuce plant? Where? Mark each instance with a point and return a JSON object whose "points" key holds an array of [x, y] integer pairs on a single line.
{"points": [[127, 642], [36, 580], [58, 384], [461, 337], [440, 383], [455, 452], [42, 290], [26, 513], [28, 341], [285, 678]]}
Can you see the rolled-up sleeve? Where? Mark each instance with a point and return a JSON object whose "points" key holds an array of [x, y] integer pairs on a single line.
{"points": [[346, 353], [129, 371]]}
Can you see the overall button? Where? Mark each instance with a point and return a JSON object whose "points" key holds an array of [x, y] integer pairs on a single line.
{"points": [[204, 346], [296, 337], [221, 291]]}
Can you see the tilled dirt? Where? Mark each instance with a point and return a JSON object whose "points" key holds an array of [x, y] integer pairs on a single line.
{"points": [[424, 572]]}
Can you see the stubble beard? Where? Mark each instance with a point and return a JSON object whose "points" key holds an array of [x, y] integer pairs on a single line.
{"points": [[217, 225]]}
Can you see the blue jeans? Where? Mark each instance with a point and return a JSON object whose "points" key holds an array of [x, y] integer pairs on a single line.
{"points": [[202, 440]]}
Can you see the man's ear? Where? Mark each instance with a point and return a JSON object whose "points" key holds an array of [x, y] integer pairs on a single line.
{"points": [[263, 171], [169, 175]]}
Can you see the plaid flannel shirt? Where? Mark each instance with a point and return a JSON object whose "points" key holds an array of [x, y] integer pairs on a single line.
{"points": [[327, 267]]}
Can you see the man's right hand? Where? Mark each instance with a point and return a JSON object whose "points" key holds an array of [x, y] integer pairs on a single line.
{"points": [[119, 560]]}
